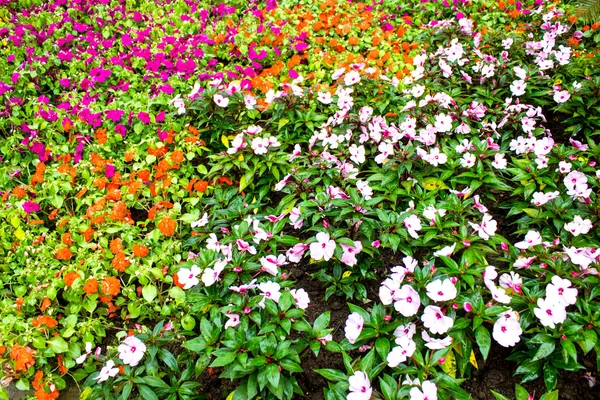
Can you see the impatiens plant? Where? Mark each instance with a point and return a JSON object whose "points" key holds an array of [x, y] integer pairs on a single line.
{"points": [[188, 190]]}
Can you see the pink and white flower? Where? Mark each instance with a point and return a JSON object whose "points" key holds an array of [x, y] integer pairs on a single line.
{"points": [[550, 312], [399, 354], [131, 351], [436, 344], [507, 330], [323, 248], [354, 326], [350, 252], [561, 292], [434, 319], [407, 301], [360, 387], [301, 298], [412, 225], [428, 392], [188, 277], [233, 321], [108, 371], [532, 238], [220, 100], [439, 290], [270, 290]]}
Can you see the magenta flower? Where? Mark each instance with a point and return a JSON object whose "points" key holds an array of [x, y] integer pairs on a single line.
{"points": [[31, 206], [144, 117], [110, 171]]}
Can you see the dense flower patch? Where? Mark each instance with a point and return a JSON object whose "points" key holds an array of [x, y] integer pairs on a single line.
{"points": [[167, 166]]}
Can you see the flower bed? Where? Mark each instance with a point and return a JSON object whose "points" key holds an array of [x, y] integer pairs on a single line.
{"points": [[171, 172]]}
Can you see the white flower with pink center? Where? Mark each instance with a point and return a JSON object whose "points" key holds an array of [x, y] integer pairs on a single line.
{"points": [[350, 252], [412, 225], [434, 319], [131, 351], [233, 321], [428, 392], [270, 290], [188, 276], [561, 292], [550, 312], [407, 301], [301, 298], [441, 290], [360, 387], [532, 238], [354, 326], [220, 100], [399, 354], [507, 331], [323, 248]]}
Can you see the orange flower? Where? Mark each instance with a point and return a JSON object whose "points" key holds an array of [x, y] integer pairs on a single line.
{"points": [[37, 379], [23, 357], [111, 286], [70, 278], [116, 246], [101, 135], [87, 234], [44, 320], [45, 304], [19, 304], [595, 25], [63, 254], [353, 41], [66, 239], [91, 286], [176, 281], [144, 175], [201, 186], [167, 226], [139, 250], [120, 262], [61, 365], [177, 156], [19, 192]]}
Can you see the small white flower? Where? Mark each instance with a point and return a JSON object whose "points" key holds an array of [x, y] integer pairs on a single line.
{"points": [[108, 371], [354, 326], [220, 100], [131, 351]]}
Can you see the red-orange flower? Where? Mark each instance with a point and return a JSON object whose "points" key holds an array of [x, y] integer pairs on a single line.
{"points": [[45, 304], [63, 254], [139, 250], [70, 277], [120, 262], [116, 246], [44, 320], [167, 226], [91, 286], [111, 286], [23, 357]]}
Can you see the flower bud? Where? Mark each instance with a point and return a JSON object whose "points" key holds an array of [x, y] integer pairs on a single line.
{"points": [[387, 318], [467, 306], [466, 243], [504, 246], [376, 244]]}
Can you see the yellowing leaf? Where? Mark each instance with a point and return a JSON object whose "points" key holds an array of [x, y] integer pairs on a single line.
{"points": [[241, 157], [20, 234], [225, 141], [15, 221], [243, 183], [449, 366], [473, 360], [432, 183], [230, 397], [85, 394], [346, 274]]}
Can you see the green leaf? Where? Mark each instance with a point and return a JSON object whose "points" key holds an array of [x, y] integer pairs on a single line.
{"points": [[273, 374], [155, 382], [550, 396], [58, 345], [521, 393], [550, 375], [333, 375], [149, 293], [146, 393], [382, 345], [167, 357], [544, 351], [224, 359], [484, 341], [499, 396]]}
